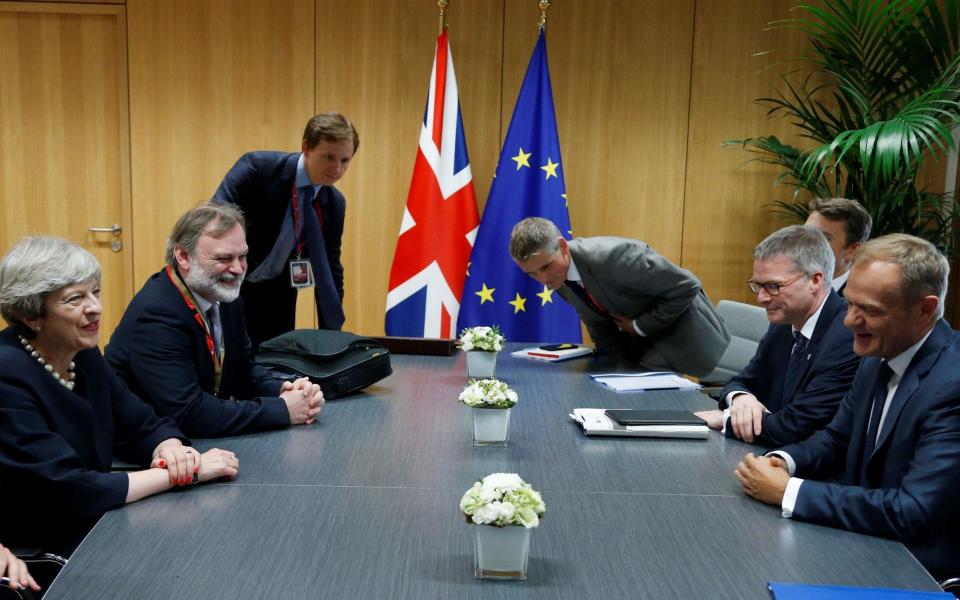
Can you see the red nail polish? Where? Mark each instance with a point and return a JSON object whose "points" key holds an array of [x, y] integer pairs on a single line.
{"points": [[162, 463]]}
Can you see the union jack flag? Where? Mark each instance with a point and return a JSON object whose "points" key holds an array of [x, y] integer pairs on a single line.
{"points": [[440, 219]]}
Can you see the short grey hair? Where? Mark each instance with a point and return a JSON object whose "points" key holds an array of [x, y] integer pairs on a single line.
{"points": [[805, 245], [35, 268], [856, 220], [189, 227], [533, 235], [924, 270]]}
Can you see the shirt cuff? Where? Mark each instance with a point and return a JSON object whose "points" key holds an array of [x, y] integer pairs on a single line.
{"points": [[791, 465], [790, 497], [726, 416], [638, 330], [729, 397]]}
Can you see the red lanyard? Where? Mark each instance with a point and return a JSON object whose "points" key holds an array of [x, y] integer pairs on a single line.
{"points": [[192, 305], [296, 218]]}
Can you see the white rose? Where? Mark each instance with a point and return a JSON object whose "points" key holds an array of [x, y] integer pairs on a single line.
{"points": [[507, 510], [485, 514], [502, 481]]}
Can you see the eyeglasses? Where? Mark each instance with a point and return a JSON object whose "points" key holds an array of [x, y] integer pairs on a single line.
{"points": [[772, 288]]}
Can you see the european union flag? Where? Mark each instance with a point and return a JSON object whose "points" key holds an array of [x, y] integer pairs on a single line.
{"points": [[528, 183]]}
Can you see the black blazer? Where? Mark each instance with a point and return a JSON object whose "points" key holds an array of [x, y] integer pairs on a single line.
{"points": [[826, 377], [160, 350], [260, 183], [907, 489], [57, 446]]}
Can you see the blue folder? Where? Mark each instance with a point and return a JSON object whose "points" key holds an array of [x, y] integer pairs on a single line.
{"points": [[802, 591]]}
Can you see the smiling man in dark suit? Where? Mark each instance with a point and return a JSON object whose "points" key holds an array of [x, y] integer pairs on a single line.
{"points": [[295, 220], [182, 344], [888, 464], [805, 362]]}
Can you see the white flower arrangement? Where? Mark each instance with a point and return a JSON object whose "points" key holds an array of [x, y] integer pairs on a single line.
{"points": [[488, 393], [503, 499], [487, 339]]}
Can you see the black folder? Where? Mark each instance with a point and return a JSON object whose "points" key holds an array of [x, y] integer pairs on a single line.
{"points": [[633, 417]]}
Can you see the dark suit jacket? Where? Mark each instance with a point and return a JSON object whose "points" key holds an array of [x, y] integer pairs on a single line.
{"points": [[260, 183], [912, 477], [666, 302], [825, 377], [57, 446], [160, 350]]}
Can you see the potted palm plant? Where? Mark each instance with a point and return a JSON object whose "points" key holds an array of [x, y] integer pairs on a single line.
{"points": [[876, 96]]}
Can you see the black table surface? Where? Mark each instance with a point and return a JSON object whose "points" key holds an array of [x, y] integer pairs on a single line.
{"points": [[364, 503]]}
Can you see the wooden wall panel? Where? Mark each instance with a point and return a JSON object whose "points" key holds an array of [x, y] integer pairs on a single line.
{"points": [[725, 212], [373, 65], [63, 134], [621, 74], [209, 80]]}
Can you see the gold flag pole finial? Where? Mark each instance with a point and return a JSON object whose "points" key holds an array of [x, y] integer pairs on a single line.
{"points": [[442, 4], [544, 5]]}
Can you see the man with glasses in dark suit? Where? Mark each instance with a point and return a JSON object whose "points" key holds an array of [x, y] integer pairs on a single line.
{"points": [[805, 362]]}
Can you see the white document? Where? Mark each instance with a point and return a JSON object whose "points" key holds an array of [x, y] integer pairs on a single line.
{"points": [[595, 422], [653, 380]]}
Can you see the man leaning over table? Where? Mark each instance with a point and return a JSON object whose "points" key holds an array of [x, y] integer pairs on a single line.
{"points": [[634, 302], [888, 464], [805, 362], [182, 344]]}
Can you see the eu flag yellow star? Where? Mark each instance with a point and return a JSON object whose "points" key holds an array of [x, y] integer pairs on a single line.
{"points": [[523, 160], [518, 304], [550, 168], [545, 296], [485, 294]]}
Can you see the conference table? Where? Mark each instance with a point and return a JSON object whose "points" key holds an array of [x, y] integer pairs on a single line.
{"points": [[365, 504]]}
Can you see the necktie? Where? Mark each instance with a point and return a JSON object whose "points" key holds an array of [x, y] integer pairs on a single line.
{"points": [[325, 291], [213, 317], [586, 297], [879, 399], [798, 357], [276, 261]]}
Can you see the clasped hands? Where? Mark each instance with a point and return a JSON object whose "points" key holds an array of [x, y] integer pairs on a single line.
{"points": [[304, 400], [764, 478], [186, 465]]}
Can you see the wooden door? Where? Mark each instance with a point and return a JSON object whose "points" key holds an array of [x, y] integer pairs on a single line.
{"points": [[64, 141]]}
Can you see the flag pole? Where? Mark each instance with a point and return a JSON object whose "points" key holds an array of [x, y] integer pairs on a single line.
{"points": [[544, 6], [442, 4]]}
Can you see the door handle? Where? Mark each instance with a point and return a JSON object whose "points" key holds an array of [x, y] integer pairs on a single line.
{"points": [[116, 230]]}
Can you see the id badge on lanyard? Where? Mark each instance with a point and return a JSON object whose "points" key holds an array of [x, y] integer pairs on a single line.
{"points": [[299, 268]]}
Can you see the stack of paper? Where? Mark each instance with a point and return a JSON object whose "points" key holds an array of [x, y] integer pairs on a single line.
{"points": [[595, 422], [652, 380], [800, 591]]}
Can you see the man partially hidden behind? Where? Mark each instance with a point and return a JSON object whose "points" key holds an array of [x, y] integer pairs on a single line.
{"points": [[182, 344], [805, 362], [634, 302], [295, 220], [846, 223], [888, 464]]}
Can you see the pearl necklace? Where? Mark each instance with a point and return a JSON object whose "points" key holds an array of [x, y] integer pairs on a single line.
{"points": [[71, 375]]}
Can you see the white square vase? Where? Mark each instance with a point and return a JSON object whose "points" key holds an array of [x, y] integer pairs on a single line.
{"points": [[501, 552], [481, 364], [491, 426]]}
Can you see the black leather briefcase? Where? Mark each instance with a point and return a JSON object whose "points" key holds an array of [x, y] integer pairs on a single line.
{"points": [[339, 361]]}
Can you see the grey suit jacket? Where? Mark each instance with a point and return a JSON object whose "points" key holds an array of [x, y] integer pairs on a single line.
{"points": [[666, 302]]}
